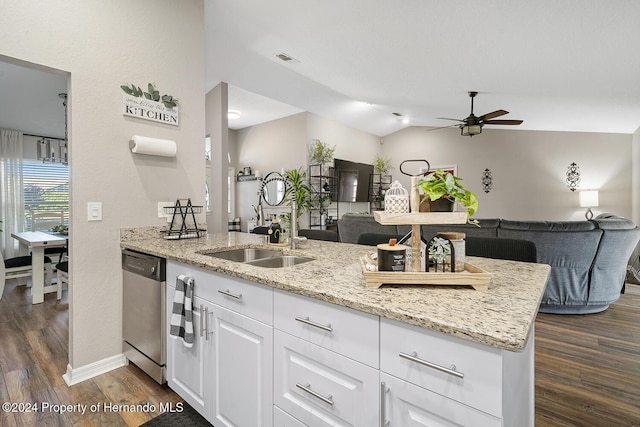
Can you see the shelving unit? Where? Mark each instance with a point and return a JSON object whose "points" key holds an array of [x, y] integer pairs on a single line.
{"points": [[378, 185], [324, 187]]}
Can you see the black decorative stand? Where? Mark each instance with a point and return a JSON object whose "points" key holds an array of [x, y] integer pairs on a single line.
{"points": [[183, 212]]}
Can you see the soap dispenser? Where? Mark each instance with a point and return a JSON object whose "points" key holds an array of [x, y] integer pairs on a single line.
{"points": [[274, 231]]}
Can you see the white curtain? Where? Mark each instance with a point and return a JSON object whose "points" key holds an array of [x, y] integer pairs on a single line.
{"points": [[11, 190]]}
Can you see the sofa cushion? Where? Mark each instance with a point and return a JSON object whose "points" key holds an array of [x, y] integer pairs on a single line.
{"points": [[351, 226], [570, 254], [487, 228], [547, 225]]}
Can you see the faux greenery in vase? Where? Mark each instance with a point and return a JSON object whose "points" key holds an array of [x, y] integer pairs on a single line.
{"points": [[321, 153], [441, 184], [381, 164], [297, 180]]}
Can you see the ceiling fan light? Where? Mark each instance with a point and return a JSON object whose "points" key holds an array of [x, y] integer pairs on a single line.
{"points": [[470, 130]]}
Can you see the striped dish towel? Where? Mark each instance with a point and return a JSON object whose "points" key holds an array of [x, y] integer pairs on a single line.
{"points": [[182, 313]]}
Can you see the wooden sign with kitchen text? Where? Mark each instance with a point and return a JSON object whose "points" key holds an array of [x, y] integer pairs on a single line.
{"points": [[147, 109]]}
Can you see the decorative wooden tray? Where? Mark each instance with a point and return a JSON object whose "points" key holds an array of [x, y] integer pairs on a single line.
{"points": [[472, 276]]}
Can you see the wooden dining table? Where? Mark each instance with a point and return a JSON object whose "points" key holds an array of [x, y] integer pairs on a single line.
{"points": [[37, 241]]}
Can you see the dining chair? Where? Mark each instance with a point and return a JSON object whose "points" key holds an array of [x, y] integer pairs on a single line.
{"points": [[17, 267], [44, 221], [62, 273]]}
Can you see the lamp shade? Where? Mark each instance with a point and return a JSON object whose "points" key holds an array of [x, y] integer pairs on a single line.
{"points": [[589, 199]]}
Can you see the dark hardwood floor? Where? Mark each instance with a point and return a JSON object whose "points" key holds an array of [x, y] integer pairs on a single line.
{"points": [[587, 368]]}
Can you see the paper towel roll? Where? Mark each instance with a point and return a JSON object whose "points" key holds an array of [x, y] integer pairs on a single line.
{"points": [[153, 146]]}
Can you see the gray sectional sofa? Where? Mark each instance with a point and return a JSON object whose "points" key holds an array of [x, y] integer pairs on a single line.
{"points": [[588, 258]]}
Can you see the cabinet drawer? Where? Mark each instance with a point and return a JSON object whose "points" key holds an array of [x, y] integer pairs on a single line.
{"points": [[244, 297], [405, 404], [349, 332], [321, 388], [419, 355], [282, 419]]}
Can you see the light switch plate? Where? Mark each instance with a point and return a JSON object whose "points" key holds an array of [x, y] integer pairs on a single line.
{"points": [[94, 211], [161, 206]]}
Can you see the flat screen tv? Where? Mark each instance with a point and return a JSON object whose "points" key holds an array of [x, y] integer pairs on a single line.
{"points": [[353, 180]]}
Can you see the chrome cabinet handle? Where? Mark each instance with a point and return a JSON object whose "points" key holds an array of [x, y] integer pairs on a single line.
{"points": [[306, 320], [202, 327], [206, 323], [229, 294], [383, 411], [414, 358], [307, 387]]}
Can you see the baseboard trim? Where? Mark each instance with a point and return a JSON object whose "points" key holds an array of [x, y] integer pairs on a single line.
{"points": [[77, 375]]}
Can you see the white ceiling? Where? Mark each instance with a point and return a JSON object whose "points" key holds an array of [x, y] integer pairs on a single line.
{"points": [[30, 101], [570, 65]]}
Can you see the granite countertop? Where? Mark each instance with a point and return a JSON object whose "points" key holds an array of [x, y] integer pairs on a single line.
{"points": [[501, 316]]}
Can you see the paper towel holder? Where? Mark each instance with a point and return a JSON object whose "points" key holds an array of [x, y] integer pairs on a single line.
{"points": [[152, 146]]}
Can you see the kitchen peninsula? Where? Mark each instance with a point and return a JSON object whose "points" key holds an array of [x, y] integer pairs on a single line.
{"points": [[450, 352]]}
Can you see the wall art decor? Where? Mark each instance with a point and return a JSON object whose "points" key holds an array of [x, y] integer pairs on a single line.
{"points": [[487, 180], [149, 105], [573, 176]]}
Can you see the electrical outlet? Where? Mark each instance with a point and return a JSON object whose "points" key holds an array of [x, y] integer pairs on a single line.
{"points": [[161, 206]]}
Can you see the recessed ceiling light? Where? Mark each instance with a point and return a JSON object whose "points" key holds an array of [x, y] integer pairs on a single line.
{"points": [[233, 115]]}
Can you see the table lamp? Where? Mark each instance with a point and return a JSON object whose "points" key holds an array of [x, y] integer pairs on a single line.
{"points": [[589, 199]]}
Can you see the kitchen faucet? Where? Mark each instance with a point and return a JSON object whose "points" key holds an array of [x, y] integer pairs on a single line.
{"points": [[294, 220]]}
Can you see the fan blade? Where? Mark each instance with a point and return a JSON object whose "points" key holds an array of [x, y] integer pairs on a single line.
{"points": [[446, 118], [442, 127], [503, 122], [493, 114]]}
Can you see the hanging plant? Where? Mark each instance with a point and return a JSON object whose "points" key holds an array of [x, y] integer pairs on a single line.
{"points": [[381, 164], [152, 94], [321, 152]]}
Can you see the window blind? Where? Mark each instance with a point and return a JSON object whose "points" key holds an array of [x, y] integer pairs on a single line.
{"points": [[46, 186]]}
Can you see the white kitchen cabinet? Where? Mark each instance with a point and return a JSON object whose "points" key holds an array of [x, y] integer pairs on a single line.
{"points": [[242, 370], [456, 378], [227, 375], [187, 366], [282, 419], [322, 388], [407, 405], [345, 331]]}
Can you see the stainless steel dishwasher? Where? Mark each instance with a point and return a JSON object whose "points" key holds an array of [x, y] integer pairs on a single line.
{"points": [[143, 312]]}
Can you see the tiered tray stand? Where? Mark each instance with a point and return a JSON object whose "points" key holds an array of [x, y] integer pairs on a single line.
{"points": [[471, 276]]}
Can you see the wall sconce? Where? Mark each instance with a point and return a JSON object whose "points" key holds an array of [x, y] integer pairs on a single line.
{"points": [[573, 176], [589, 199], [487, 180]]}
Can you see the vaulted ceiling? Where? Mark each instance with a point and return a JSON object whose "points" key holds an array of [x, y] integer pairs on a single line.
{"points": [[570, 65]]}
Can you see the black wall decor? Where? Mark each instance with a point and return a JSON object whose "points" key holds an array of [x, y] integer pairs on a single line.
{"points": [[487, 180], [573, 176]]}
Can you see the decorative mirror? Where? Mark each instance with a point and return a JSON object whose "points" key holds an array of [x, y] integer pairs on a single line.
{"points": [[273, 188]]}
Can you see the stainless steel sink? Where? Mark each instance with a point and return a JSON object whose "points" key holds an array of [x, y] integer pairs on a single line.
{"points": [[245, 254], [269, 258], [280, 261]]}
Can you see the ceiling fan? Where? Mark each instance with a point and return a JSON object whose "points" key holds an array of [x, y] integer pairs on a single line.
{"points": [[473, 124]]}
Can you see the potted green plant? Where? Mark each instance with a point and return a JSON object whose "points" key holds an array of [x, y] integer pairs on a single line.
{"points": [[381, 164], [321, 153], [297, 184], [444, 185]]}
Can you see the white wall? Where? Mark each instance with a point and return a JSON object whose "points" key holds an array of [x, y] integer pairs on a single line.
{"points": [[529, 168], [283, 144], [104, 44], [636, 176]]}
